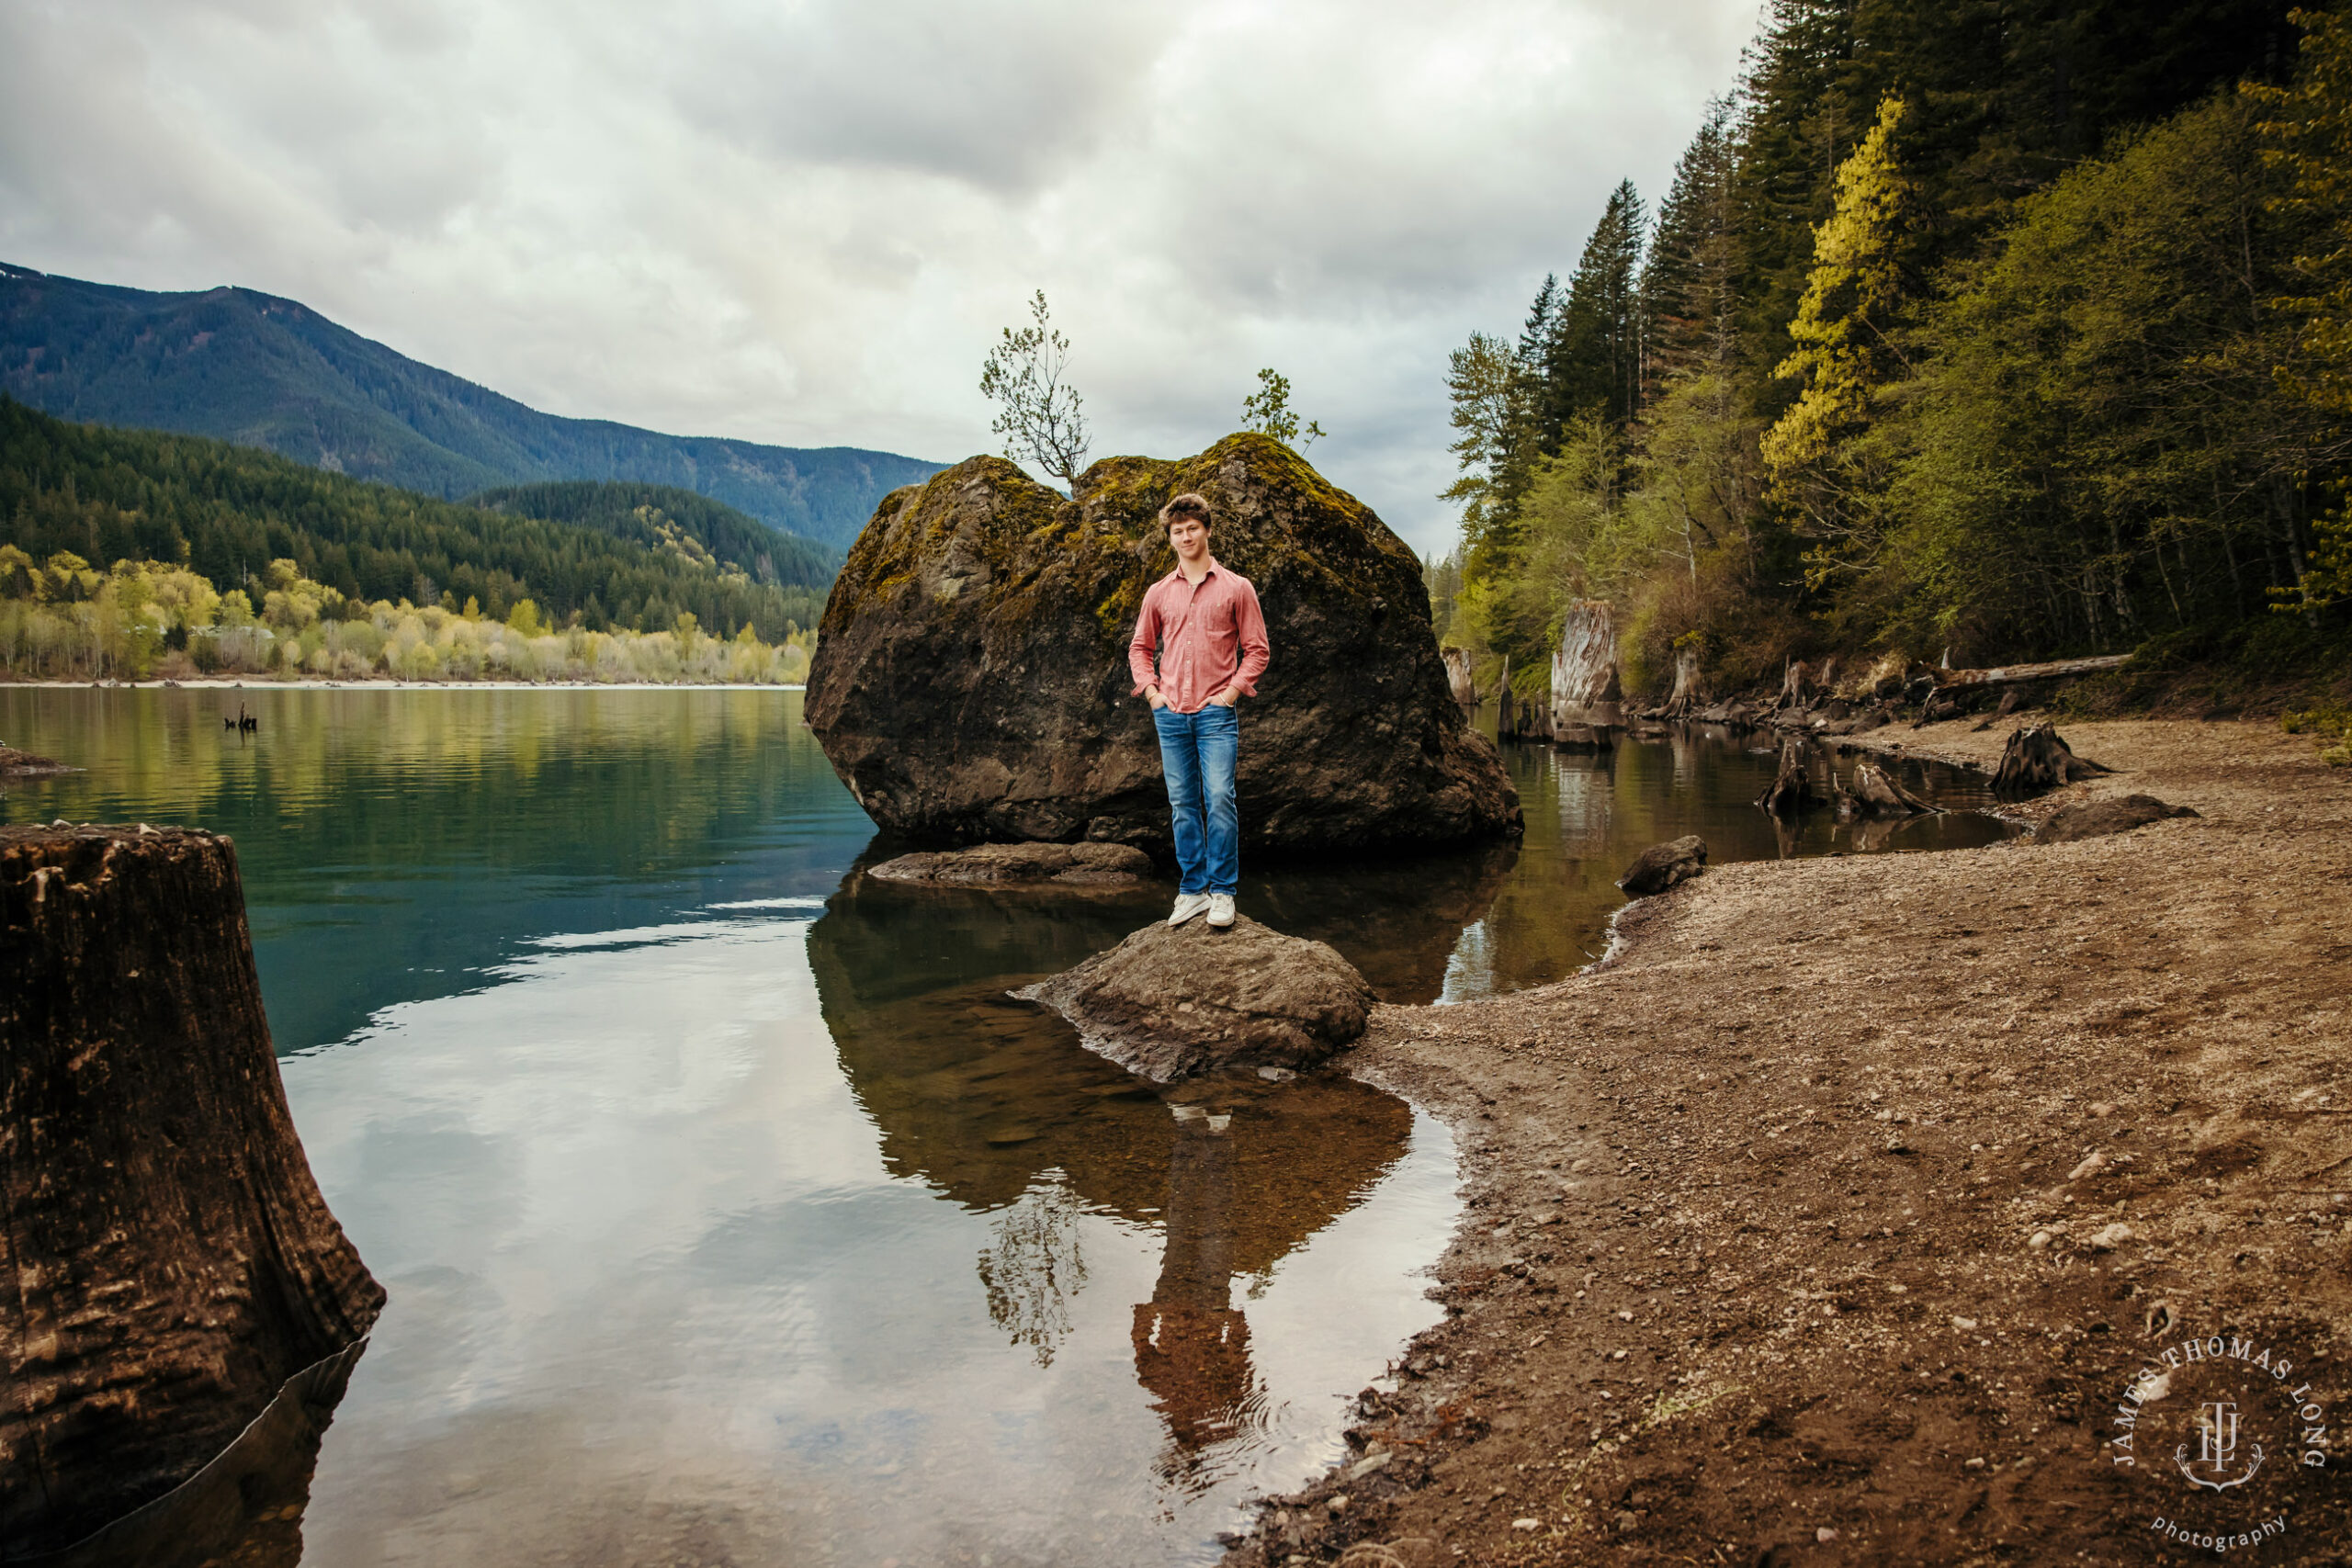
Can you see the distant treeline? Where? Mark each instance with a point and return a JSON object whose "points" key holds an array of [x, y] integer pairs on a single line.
{"points": [[1964, 327], [226, 513]]}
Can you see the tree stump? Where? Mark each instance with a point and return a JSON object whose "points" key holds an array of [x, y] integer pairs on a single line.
{"points": [[1457, 676], [1690, 685], [1585, 690], [1792, 791], [1876, 792], [2037, 760], [170, 1260], [1795, 690]]}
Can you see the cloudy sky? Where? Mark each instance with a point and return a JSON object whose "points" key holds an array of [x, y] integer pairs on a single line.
{"points": [[803, 222]]}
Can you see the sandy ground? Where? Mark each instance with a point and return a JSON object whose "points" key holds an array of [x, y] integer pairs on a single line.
{"points": [[1832, 1219]]}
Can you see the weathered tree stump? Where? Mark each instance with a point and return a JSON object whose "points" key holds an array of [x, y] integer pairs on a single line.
{"points": [[1792, 791], [1690, 685], [1585, 692], [1457, 676], [1796, 691], [1875, 791], [2037, 760], [170, 1260]]}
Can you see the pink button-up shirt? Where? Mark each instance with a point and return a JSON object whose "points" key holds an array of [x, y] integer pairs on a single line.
{"points": [[1210, 635]]}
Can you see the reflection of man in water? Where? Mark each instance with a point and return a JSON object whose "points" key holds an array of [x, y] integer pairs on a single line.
{"points": [[1203, 621], [1191, 1348]]}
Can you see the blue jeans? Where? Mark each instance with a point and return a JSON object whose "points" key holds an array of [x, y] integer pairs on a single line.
{"points": [[1198, 753]]}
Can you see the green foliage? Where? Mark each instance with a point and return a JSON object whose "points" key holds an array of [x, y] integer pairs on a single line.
{"points": [[1962, 328], [680, 522], [2333, 726], [1039, 413], [226, 513], [1268, 411]]}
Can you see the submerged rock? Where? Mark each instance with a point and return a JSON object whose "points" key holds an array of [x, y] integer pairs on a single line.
{"points": [[1067, 865], [171, 1262], [971, 681], [25, 764], [1174, 1001], [1661, 866], [2096, 818]]}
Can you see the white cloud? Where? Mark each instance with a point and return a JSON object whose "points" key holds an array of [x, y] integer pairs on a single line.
{"points": [[804, 220]]}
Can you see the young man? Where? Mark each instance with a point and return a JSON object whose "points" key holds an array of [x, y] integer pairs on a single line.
{"points": [[1204, 620]]}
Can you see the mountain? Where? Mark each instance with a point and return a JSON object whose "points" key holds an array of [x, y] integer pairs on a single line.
{"points": [[228, 511], [261, 371], [678, 521]]}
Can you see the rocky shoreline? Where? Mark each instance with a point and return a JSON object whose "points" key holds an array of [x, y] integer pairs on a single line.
{"points": [[1828, 1220]]}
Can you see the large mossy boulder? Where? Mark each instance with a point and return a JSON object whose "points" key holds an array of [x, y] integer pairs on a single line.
{"points": [[971, 683]]}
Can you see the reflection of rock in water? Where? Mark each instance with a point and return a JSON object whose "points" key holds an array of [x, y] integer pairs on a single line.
{"points": [[1035, 1267], [242, 1510], [996, 1103], [1395, 918], [1191, 1346]]}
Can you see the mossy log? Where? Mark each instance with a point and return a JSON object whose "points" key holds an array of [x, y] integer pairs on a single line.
{"points": [[171, 1260]]}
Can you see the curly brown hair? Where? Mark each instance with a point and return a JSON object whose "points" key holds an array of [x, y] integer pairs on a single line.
{"points": [[1187, 508]]}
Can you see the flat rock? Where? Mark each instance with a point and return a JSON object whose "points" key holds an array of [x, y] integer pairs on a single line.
{"points": [[24, 764], [1660, 866], [1002, 865], [2096, 818], [1174, 1001], [970, 682]]}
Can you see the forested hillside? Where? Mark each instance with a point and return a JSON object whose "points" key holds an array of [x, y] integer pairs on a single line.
{"points": [[1961, 329], [678, 521], [227, 512], [267, 372]]}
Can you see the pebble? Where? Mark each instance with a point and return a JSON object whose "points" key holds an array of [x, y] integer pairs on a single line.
{"points": [[1338, 1505], [2040, 1240], [1973, 1464], [1277, 1075], [1527, 1524], [1625, 1317], [1963, 1322], [2109, 1239], [1825, 1535], [2093, 1163], [2101, 1108]]}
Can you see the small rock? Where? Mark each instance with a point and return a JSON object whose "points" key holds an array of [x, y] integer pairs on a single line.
{"points": [[1277, 1075], [2096, 818], [1661, 866], [2111, 1237], [1973, 1464], [1527, 1524], [2038, 1241], [2102, 1107], [2093, 1163], [1963, 1322], [1338, 1505], [1578, 1167], [1625, 1317], [1260, 999], [1825, 1535], [1368, 1465]]}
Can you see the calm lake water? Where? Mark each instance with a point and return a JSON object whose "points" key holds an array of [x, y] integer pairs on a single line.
{"points": [[732, 1213]]}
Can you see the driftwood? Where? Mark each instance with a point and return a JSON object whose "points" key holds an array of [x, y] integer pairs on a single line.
{"points": [[1792, 791], [1584, 671], [170, 1261], [2037, 759], [1955, 682], [1690, 686]]}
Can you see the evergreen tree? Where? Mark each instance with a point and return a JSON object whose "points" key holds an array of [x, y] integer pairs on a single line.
{"points": [[1593, 361], [1690, 295]]}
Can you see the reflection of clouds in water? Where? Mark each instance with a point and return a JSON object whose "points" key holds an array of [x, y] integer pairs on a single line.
{"points": [[1035, 1266], [656, 1295], [1470, 970]]}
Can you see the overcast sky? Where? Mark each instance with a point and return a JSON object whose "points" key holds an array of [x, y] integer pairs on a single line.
{"points": [[803, 222]]}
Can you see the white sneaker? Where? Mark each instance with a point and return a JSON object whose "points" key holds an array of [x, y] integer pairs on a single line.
{"points": [[1190, 904], [1220, 910]]}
